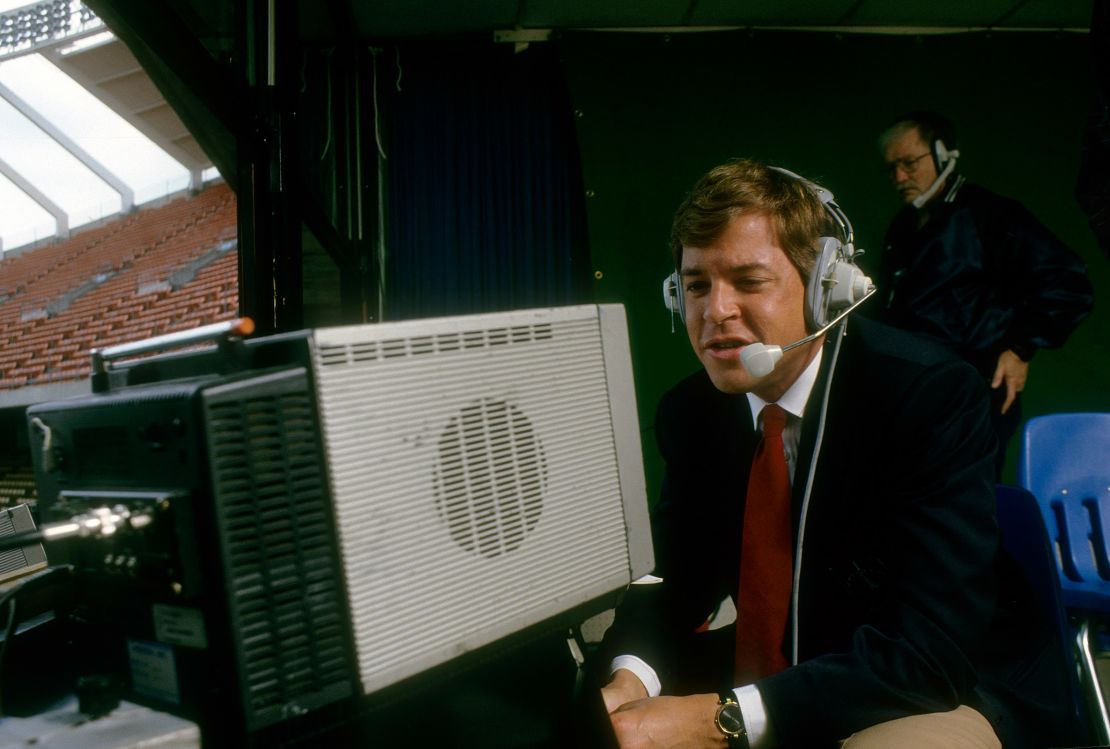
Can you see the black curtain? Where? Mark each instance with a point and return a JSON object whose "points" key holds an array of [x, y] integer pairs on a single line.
{"points": [[485, 200]]}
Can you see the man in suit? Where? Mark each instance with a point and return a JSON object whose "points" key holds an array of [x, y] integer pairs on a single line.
{"points": [[842, 503]]}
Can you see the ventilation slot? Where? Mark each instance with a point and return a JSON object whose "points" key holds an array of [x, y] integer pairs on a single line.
{"points": [[364, 351], [333, 355], [284, 595], [474, 339], [395, 348], [13, 559], [422, 345]]}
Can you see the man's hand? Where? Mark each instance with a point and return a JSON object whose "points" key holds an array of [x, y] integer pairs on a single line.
{"points": [[668, 723], [624, 687], [1012, 371]]}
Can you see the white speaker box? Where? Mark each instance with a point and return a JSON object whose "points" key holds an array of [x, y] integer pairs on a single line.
{"points": [[486, 474]]}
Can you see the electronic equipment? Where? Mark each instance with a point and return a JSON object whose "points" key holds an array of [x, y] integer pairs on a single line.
{"points": [[308, 526], [836, 286], [20, 561]]}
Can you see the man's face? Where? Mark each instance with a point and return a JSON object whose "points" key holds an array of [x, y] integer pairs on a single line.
{"points": [[910, 165], [742, 289]]}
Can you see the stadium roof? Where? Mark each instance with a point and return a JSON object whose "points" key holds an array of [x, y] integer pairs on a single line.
{"points": [[85, 133]]}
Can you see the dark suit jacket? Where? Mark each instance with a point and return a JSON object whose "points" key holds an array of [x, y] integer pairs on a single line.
{"points": [[902, 609]]}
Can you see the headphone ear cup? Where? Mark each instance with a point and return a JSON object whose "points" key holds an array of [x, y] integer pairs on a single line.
{"points": [[817, 295], [673, 298], [835, 283], [941, 154]]}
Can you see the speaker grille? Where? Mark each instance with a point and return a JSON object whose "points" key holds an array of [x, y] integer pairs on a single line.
{"points": [[286, 604], [490, 477]]}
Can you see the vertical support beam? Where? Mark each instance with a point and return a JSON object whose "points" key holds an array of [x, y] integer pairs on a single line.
{"points": [[61, 218], [270, 265], [355, 209], [365, 182], [126, 194]]}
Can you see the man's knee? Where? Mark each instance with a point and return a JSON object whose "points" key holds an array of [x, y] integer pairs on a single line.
{"points": [[962, 728]]}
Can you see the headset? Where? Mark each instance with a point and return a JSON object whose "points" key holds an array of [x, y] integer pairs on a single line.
{"points": [[944, 159], [836, 286], [945, 155]]}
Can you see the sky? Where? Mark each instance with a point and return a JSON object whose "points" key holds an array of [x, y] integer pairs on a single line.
{"points": [[149, 171]]}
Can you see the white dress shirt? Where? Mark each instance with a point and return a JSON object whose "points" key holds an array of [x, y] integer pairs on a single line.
{"points": [[793, 401]]}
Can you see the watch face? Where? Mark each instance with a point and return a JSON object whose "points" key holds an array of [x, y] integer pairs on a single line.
{"points": [[729, 719]]}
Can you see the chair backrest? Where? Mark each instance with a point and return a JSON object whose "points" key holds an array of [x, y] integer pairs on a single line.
{"points": [[1065, 463], [1024, 540]]}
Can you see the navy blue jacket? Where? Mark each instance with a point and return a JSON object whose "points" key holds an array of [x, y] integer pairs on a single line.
{"points": [[982, 276]]}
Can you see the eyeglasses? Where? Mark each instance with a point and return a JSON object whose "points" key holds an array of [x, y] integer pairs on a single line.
{"points": [[908, 165]]}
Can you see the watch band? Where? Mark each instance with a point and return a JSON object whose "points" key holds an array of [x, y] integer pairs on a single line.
{"points": [[730, 721]]}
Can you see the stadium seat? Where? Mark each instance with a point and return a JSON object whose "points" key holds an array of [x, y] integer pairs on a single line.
{"points": [[52, 313]]}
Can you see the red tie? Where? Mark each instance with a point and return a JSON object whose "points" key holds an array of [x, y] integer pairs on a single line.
{"points": [[766, 557]]}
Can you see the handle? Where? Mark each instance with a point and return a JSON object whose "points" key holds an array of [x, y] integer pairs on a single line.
{"points": [[102, 357]]}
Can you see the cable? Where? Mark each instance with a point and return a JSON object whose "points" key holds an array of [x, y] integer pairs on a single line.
{"points": [[841, 331], [327, 105], [374, 98], [19, 540]]}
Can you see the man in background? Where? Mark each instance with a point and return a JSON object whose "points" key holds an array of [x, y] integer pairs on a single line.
{"points": [[971, 269]]}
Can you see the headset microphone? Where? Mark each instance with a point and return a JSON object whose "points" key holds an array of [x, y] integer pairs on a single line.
{"points": [[760, 359], [947, 160]]}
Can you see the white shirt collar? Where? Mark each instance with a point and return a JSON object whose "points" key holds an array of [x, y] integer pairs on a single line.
{"points": [[793, 401]]}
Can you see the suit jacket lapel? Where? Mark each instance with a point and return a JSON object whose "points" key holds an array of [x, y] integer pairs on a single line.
{"points": [[738, 439], [810, 422]]}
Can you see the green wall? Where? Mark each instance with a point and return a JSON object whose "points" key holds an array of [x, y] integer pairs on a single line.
{"points": [[655, 111]]}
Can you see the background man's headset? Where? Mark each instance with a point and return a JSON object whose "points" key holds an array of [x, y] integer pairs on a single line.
{"points": [[836, 286], [944, 158], [945, 161]]}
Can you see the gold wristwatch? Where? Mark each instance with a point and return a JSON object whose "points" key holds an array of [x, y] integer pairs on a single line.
{"points": [[730, 721]]}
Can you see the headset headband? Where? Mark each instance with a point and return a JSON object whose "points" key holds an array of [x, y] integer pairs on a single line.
{"points": [[828, 200]]}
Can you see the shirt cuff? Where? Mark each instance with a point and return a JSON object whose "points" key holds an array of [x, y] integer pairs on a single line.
{"points": [[755, 717], [760, 735], [645, 673]]}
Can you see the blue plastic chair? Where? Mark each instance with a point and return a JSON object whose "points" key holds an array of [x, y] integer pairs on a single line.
{"points": [[1065, 463], [1025, 540]]}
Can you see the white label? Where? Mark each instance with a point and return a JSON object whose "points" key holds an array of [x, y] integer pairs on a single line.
{"points": [[179, 626], [153, 670]]}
